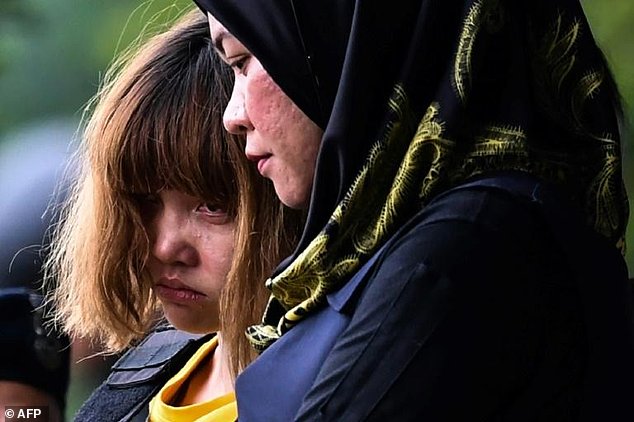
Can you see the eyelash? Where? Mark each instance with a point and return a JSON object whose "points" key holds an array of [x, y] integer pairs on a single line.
{"points": [[150, 204], [212, 211], [239, 64]]}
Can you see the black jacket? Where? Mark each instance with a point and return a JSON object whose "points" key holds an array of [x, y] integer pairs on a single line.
{"points": [[492, 304]]}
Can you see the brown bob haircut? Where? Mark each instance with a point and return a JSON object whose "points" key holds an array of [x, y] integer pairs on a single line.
{"points": [[157, 123]]}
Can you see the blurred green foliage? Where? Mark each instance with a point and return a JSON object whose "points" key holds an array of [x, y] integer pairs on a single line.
{"points": [[611, 22], [54, 52]]}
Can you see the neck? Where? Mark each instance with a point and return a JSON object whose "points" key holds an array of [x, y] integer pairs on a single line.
{"points": [[211, 379], [220, 368]]}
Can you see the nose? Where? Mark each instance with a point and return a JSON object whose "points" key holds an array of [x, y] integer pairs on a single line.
{"points": [[235, 117], [170, 242]]}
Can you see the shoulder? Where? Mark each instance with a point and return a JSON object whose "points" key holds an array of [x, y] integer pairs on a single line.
{"points": [[140, 373], [162, 349], [471, 225]]}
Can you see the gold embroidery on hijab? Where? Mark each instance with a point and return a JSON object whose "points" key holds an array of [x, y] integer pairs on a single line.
{"points": [[491, 15], [412, 163]]}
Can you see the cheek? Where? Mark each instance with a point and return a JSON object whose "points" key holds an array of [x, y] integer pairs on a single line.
{"points": [[267, 105], [302, 142], [217, 251]]}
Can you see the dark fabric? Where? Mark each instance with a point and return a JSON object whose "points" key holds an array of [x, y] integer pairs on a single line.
{"points": [[29, 351], [115, 405], [312, 341], [140, 373], [419, 97], [473, 312]]}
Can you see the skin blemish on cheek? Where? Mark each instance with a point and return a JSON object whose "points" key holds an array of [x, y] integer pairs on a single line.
{"points": [[266, 108]]}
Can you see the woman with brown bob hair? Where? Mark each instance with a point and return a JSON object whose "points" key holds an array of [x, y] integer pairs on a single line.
{"points": [[155, 138]]}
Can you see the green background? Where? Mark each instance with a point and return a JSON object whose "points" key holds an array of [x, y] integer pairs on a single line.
{"points": [[53, 53]]}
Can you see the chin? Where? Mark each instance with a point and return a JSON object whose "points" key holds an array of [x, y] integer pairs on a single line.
{"points": [[292, 200], [192, 324], [193, 328]]}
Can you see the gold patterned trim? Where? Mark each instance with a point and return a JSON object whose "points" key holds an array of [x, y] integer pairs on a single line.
{"points": [[462, 66]]}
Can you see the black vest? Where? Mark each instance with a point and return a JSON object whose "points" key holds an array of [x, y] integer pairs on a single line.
{"points": [[138, 376]]}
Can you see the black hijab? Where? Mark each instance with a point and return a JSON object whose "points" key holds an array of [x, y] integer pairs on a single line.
{"points": [[419, 96]]}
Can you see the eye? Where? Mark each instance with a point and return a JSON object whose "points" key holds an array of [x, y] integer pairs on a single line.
{"points": [[214, 212], [239, 64], [210, 208]]}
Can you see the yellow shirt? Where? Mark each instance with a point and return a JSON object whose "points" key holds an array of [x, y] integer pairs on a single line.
{"points": [[220, 409]]}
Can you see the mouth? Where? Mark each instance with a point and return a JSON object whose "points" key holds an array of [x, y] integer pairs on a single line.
{"points": [[173, 290], [260, 161]]}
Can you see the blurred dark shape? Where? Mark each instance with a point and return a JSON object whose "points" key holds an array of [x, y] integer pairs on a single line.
{"points": [[30, 353], [31, 164]]}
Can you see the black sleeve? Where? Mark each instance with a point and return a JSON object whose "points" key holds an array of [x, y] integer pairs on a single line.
{"points": [[462, 317]]}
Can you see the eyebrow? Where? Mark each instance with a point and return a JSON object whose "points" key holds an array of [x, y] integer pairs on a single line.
{"points": [[217, 42]]}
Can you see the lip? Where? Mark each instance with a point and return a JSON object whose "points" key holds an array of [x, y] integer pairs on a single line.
{"points": [[174, 290], [260, 160]]}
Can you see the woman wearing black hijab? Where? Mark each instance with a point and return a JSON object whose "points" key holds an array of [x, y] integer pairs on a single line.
{"points": [[461, 258]]}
